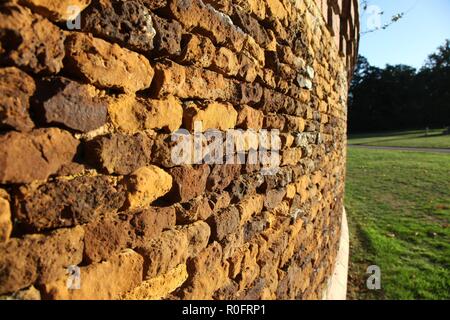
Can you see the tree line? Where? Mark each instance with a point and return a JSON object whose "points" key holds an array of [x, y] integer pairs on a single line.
{"points": [[399, 96]]}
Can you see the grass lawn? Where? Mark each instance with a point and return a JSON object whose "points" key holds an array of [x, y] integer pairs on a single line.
{"points": [[418, 138], [398, 206]]}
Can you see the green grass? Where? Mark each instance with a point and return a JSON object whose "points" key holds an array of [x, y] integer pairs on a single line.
{"points": [[398, 206], [418, 138]]}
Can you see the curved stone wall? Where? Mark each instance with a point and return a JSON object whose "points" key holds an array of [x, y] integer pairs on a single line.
{"points": [[172, 149]]}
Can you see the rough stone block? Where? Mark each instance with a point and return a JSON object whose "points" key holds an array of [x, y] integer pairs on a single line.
{"points": [[197, 235], [273, 198], [25, 157], [16, 88], [168, 36], [224, 223], [164, 253], [76, 106], [39, 258], [221, 176], [250, 206], [291, 157], [198, 51], [205, 19], [159, 287], [188, 182], [107, 236], [5, 216], [30, 41], [207, 273], [30, 293], [145, 185], [213, 115], [107, 65], [59, 11], [193, 210], [120, 153], [131, 114], [226, 62], [128, 23], [252, 26], [65, 203], [250, 118], [192, 83], [102, 281]]}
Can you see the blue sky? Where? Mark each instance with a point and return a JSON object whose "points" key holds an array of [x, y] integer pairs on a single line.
{"points": [[424, 27]]}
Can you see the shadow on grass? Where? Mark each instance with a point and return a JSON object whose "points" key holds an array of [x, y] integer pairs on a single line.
{"points": [[432, 135], [364, 240], [384, 134], [363, 256]]}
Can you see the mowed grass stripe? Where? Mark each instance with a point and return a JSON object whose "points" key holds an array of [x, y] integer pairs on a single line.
{"points": [[418, 138]]}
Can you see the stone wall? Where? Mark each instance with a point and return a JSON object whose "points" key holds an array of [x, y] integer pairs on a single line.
{"points": [[89, 189]]}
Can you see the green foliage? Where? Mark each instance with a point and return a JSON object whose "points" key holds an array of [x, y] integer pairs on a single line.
{"points": [[440, 59], [399, 97]]}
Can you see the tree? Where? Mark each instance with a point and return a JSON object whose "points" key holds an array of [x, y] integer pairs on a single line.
{"points": [[399, 97], [440, 59], [434, 78]]}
